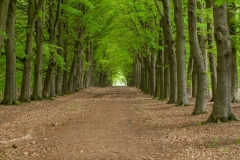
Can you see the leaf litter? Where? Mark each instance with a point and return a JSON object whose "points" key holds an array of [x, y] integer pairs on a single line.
{"points": [[113, 123]]}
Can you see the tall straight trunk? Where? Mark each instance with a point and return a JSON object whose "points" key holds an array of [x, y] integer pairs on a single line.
{"points": [[10, 80], [232, 30], [150, 73], [211, 55], [200, 104], [27, 61], [49, 89], [79, 72], [153, 71], [194, 79], [73, 70], [3, 20], [202, 40], [65, 72], [189, 76], [59, 77], [146, 74], [88, 71], [142, 73], [182, 97], [161, 64], [37, 85], [222, 111], [169, 42]]}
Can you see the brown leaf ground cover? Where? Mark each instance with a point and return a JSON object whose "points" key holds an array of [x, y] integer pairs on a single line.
{"points": [[113, 123]]}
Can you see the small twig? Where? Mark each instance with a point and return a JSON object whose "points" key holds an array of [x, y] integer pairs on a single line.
{"points": [[28, 136]]}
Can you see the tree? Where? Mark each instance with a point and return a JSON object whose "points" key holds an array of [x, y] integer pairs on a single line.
{"points": [[211, 55], [222, 111], [10, 82], [200, 103], [170, 51], [38, 69], [182, 96], [3, 19], [231, 14], [27, 72]]}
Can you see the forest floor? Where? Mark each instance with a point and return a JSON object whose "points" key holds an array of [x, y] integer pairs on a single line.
{"points": [[113, 123]]}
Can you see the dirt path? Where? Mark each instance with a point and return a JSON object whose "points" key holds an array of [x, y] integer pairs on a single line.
{"points": [[110, 130], [112, 123]]}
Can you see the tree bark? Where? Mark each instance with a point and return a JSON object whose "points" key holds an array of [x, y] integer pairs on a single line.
{"points": [[232, 29], [3, 20], [10, 80], [73, 70], [88, 71], [49, 89], [182, 96], [27, 61], [189, 75], [65, 72], [59, 76], [200, 104], [170, 51], [202, 41], [79, 72], [37, 86], [211, 55], [222, 111]]}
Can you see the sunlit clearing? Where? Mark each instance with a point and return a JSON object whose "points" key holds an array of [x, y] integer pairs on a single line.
{"points": [[119, 80]]}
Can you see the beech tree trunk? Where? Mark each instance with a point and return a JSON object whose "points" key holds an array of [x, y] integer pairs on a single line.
{"points": [[37, 86], [3, 19], [49, 89], [202, 41], [232, 30], [59, 77], [211, 55], [79, 72], [200, 104], [169, 42], [73, 70], [182, 96], [10, 80], [88, 71], [27, 61], [222, 111], [65, 72], [189, 75]]}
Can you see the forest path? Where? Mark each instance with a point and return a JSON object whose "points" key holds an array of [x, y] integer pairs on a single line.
{"points": [[113, 123], [109, 130]]}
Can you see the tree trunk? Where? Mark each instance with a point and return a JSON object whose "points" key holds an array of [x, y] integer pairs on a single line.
{"points": [[49, 89], [73, 70], [88, 71], [202, 41], [59, 77], [3, 19], [194, 79], [10, 80], [27, 61], [232, 29], [79, 72], [189, 75], [222, 111], [169, 42], [182, 96], [37, 86], [212, 57], [65, 72], [200, 104]]}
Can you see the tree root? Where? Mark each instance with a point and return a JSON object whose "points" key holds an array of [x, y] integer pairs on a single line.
{"points": [[213, 119]]}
